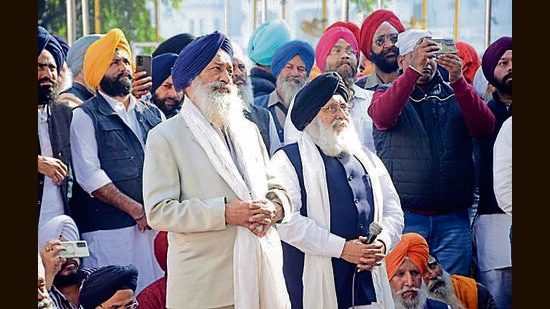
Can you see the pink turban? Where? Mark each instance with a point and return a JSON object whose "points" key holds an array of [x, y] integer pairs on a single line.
{"points": [[329, 39], [347, 24], [413, 246], [371, 23]]}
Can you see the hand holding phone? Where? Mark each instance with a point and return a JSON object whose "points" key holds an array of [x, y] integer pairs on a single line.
{"points": [[77, 248], [447, 46], [142, 78]]}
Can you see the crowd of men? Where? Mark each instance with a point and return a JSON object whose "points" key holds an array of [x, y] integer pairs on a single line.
{"points": [[277, 176]]}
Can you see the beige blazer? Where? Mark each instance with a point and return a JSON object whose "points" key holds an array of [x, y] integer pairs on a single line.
{"points": [[184, 195]]}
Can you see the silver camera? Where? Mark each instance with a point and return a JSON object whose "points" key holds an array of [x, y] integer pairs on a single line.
{"points": [[73, 249]]}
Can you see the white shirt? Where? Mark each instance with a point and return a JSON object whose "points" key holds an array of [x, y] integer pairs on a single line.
{"points": [[52, 199], [360, 118], [87, 167], [502, 166]]}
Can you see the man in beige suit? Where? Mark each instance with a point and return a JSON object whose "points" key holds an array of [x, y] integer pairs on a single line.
{"points": [[206, 182]]}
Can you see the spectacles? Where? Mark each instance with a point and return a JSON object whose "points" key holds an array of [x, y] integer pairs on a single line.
{"points": [[336, 50], [133, 305], [333, 108], [381, 39]]}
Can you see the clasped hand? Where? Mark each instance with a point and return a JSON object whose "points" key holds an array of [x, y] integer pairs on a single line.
{"points": [[365, 256], [256, 215]]}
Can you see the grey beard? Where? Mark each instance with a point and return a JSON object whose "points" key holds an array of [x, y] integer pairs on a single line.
{"points": [[417, 303], [247, 94], [348, 73], [289, 88], [445, 292], [220, 109], [332, 143]]}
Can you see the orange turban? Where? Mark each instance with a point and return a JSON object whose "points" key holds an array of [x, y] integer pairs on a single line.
{"points": [[413, 246], [99, 55]]}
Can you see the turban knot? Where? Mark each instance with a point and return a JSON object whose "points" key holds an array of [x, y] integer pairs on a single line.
{"points": [[314, 95], [265, 40], [411, 245], [50, 43], [174, 44], [162, 66], [194, 57], [75, 55], [284, 53], [99, 55], [408, 39], [329, 39], [103, 283], [371, 23], [492, 56]]}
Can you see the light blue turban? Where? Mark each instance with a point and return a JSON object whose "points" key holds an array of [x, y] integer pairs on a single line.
{"points": [[75, 55], [265, 40]]}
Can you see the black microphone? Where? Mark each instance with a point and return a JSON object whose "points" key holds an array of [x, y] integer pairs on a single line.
{"points": [[374, 230]]}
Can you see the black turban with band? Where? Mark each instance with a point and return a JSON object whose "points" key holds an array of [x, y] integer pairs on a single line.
{"points": [[174, 44], [49, 42], [314, 95], [103, 283], [162, 65], [492, 56], [194, 57]]}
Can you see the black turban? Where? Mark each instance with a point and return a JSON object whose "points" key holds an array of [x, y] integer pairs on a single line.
{"points": [[194, 57], [314, 95], [51, 44], [174, 44], [103, 283], [492, 56]]}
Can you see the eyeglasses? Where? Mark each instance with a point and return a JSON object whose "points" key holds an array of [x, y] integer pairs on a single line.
{"points": [[133, 305], [336, 50], [381, 39], [333, 108]]}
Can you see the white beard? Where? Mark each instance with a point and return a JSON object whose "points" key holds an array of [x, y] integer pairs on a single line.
{"points": [[247, 94], [289, 87], [445, 292], [417, 303], [333, 143], [219, 108]]}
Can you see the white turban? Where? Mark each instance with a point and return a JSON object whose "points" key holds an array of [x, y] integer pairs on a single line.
{"points": [[61, 225], [407, 40]]}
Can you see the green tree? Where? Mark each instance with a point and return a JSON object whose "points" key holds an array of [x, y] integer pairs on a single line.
{"points": [[367, 6], [134, 17]]}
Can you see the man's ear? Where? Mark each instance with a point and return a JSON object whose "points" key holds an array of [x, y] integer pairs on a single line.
{"points": [[400, 60]]}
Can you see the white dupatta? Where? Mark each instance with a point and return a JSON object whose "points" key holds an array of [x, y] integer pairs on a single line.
{"points": [[257, 261], [318, 281]]}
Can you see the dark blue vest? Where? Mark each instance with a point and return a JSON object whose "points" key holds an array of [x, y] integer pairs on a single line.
{"points": [[351, 208], [121, 157]]}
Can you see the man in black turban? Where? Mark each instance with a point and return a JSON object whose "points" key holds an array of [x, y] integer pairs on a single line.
{"points": [[338, 189], [54, 153], [109, 286]]}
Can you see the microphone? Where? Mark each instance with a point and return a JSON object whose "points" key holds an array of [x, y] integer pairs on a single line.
{"points": [[374, 230]]}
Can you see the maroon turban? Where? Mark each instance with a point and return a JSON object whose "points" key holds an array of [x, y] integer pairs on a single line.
{"points": [[492, 56], [371, 23], [161, 248]]}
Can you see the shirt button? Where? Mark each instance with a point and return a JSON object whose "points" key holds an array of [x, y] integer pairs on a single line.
{"points": [[361, 226], [356, 201], [350, 177]]}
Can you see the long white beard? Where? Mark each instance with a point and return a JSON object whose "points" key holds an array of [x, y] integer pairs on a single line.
{"points": [[331, 142], [219, 108], [289, 86], [416, 303], [445, 292], [247, 93]]}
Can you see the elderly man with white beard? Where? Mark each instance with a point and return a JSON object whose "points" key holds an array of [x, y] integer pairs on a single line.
{"points": [[338, 190], [206, 183]]}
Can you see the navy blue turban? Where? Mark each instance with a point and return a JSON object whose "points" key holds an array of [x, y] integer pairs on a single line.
{"points": [[492, 55], [162, 66], [194, 57], [51, 44], [314, 95], [174, 44], [103, 283], [63, 43], [284, 53]]}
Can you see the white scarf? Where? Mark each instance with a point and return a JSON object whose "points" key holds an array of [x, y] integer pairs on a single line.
{"points": [[257, 261], [318, 280]]}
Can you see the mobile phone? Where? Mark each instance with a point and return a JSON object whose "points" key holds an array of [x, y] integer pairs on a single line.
{"points": [[447, 46], [144, 63], [77, 248]]}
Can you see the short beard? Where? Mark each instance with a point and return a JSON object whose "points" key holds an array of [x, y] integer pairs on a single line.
{"points": [[445, 292], [416, 303], [333, 143], [119, 86], [347, 72], [288, 87], [161, 104], [247, 93], [382, 63], [219, 108], [74, 278], [505, 86], [47, 94]]}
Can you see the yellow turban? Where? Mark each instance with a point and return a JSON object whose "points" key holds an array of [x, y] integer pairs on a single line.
{"points": [[99, 55], [413, 246]]}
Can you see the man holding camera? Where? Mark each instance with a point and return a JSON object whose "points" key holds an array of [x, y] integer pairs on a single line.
{"points": [[423, 131]]}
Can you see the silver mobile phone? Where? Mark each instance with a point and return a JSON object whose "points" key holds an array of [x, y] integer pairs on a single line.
{"points": [[77, 248]]}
